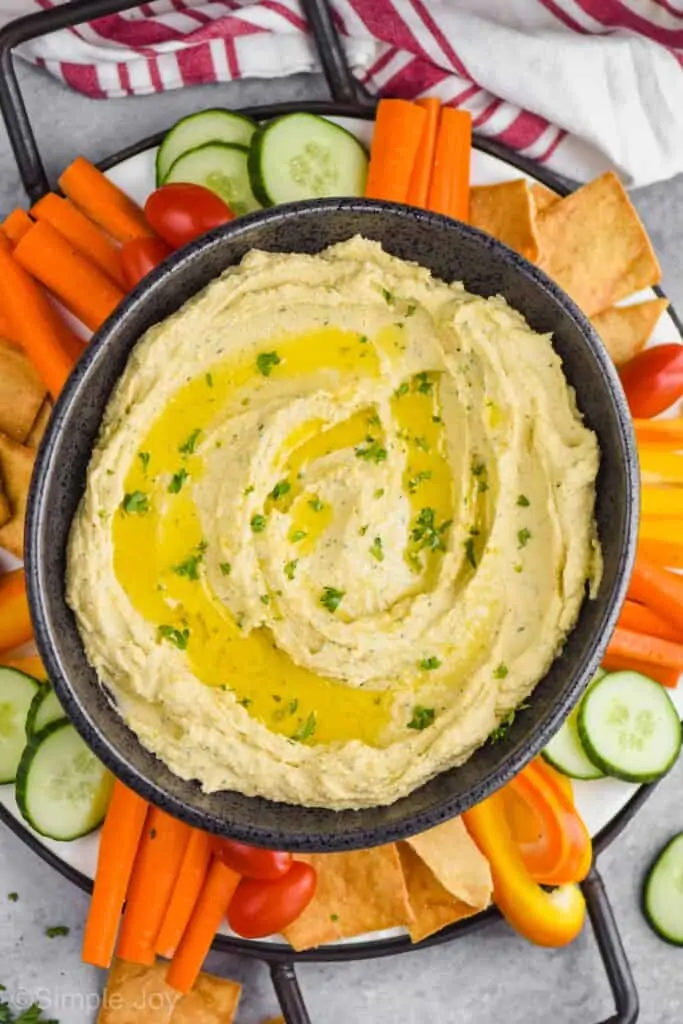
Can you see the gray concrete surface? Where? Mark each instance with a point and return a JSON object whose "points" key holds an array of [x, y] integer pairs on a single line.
{"points": [[490, 977]]}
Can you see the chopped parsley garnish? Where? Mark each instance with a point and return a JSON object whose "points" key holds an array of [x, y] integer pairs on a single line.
{"points": [[422, 717], [298, 535], [316, 504], [306, 729], [258, 523], [290, 568], [469, 551], [523, 501], [245, 702], [376, 549], [13, 897], [410, 308], [388, 296], [209, 380], [415, 481], [363, 530], [430, 663], [265, 598], [374, 420], [266, 361], [334, 917], [500, 671], [422, 383], [373, 452], [524, 536], [178, 637], [189, 446], [436, 419], [426, 533], [501, 730], [363, 339], [331, 598], [190, 566], [478, 468], [177, 481], [401, 390], [248, 490], [379, 493], [135, 502], [144, 458], [422, 443], [225, 568], [281, 488], [57, 931]]}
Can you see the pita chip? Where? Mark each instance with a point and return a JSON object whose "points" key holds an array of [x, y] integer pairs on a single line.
{"points": [[594, 245], [625, 330], [16, 467], [507, 212], [542, 196], [39, 425], [140, 995], [21, 392], [358, 892], [5, 507]]}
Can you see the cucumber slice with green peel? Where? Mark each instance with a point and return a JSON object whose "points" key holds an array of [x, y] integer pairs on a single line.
{"points": [[303, 156], [565, 751], [62, 790], [49, 711], [197, 130], [629, 727], [220, 167], [663, 892], [40, 695], [17, 692]]}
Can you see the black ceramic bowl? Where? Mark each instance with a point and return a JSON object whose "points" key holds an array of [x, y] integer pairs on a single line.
{"points": [[452, 251]]}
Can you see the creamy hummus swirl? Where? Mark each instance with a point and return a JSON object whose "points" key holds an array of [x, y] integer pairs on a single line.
{"points": [[338, 524]]}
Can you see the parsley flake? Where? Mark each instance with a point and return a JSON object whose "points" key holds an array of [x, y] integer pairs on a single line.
{"points": [[422, 717], [316, 504], [524, 536], [13, 897], [415, 481], [500, 671], [401, 390], [225, 568], [523, 501], [281, 488], [298, 535], [290, 568], [306, 729], [266, 361], [430, 663], [209, 380], [376, 549], [177, 481], [178, 637], [373, 452], [363, 339], [426, 533], [57, 931], [144, 458], [258, 523], [388, 296], [189, 446], [469, 551], [331, 598], [189, 567], [422, 383], [135, 502]]}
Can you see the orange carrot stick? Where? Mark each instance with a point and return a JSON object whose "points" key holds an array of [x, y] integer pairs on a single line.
{"points": [[449, 191], [79, 284], [662, 552], [15, 619], [641, 619], [649, 650], [221, 882], [35, 323], [81, 232], [395, 145], [186, 893], [660, 432], [420, 179], [154, 875], [16, 225], [30, 664], [667, 677], [102, 201], [119, 843], [659, 589], [6, 328]]}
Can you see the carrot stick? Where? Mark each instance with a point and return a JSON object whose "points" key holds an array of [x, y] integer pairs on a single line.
{"points": [[650, 650], [79, 284], [660, 432], [36, 325], [103, 201], [395, 145], [667, 677], [641, 619], [449, 190], [418, 189], [662, 552], [6, 328], [186, 893], [81, 232], [659, 589], [30, 664], [15, 619], [16, 225], [119, 843], [221, 882], [154, 875]]}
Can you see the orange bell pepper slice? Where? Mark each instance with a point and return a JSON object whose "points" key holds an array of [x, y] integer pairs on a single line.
{"points": [[15, 619], [546, 918]]}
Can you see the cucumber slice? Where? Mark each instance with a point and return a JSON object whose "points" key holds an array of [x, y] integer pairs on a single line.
{"points": [[49, 711], [41, 694], [62, 790], [629, 727], [221, 167], [565, 751], [663, 892], [17, 691], [303, 156], [196, 130]]}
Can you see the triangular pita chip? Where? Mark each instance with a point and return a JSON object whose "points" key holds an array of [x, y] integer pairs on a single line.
{"points": [[507, 212], [5, 507], [358, 892], [16, 466], [140, 995], [21, 392], [542, 196], [625, 329], [40, 423]]}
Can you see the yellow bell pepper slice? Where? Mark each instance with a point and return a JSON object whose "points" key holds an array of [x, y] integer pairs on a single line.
{"points": [[661, 467], [662, 502]]}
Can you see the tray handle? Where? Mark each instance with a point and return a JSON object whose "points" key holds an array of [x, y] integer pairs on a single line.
{"points": [[288, 993], [343, 87], [612, 950]]}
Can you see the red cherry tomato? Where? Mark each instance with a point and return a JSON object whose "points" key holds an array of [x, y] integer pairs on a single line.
{"points": [[653, 380], [265, 908], [179, 213], [253, 862], [141, 255]]}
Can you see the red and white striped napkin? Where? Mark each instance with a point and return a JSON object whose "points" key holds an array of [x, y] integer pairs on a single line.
{"points": [[578, 85]]}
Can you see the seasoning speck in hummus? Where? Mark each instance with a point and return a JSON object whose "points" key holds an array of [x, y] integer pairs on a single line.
{"points": [[338, 571]]}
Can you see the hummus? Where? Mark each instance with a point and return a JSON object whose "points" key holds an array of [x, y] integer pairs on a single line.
{"points": [[337, 525]]}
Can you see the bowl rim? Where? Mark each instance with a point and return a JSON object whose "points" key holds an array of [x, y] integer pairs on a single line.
{"points": [[72, 393]]}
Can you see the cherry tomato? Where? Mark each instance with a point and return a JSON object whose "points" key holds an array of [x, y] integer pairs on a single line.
{"points": [[179, 213], [653, 380], [265, 908], [253, 862], [140, 256]]}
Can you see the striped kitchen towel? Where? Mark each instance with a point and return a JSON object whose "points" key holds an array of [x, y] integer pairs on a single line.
{"points": [[578, 85]]}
